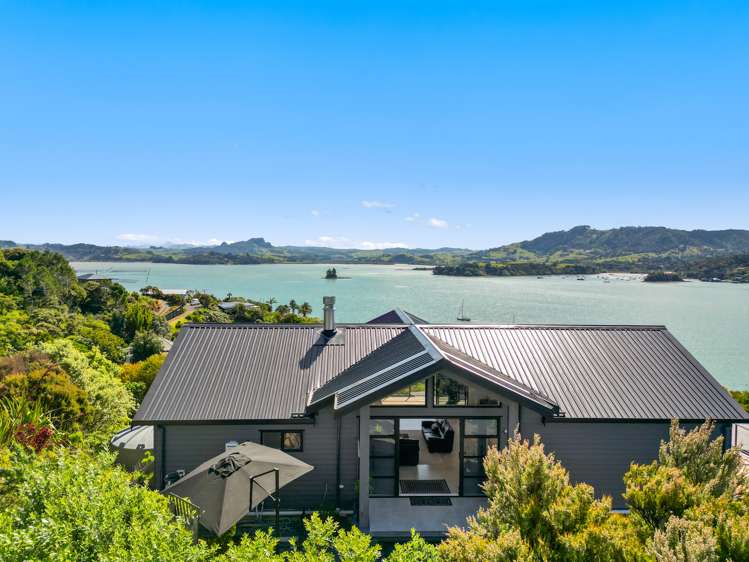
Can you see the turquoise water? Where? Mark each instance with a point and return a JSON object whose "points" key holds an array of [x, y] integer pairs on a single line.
{"points": [[710, 319]]}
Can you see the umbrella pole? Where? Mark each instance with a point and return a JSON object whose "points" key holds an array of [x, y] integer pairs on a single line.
{"points": [[276, 496], [277, 501]]}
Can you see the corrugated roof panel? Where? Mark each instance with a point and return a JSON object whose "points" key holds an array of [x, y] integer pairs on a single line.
{"points": [[268, 372], [386, 377], [399, 348], [251, 372], [599, 372]]}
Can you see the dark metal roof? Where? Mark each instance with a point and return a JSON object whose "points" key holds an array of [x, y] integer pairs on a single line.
{"points": [[400, 348], [598, 372], [397, 316], [220, 372], [238, 372], [456, 358]]}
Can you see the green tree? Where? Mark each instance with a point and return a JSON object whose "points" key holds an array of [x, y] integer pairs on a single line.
{"points": [[305, 309], [92, 332], [102, 297], [416, 550], [692, 472], [111, 403], [46, 384], [143, 371], [16, 332], [39, 278], [293, 306], [144, 345], [245, 313], [69, 505], [533, 509], [683, 540]]}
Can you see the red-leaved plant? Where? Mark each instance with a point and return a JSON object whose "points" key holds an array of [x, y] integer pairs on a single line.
{"points": [[34, 437]]}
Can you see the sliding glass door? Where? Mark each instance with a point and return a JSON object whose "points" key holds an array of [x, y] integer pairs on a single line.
{"points": [[383, 448], [478, 434]]}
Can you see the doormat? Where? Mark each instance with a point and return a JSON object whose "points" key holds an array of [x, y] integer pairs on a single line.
{"points": [[430, 501], [424, 487]]}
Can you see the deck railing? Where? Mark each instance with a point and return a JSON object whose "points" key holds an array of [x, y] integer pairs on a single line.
{"points": [[186, 511]]}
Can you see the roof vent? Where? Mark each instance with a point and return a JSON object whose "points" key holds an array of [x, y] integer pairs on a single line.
{"points": [[329, 328]]}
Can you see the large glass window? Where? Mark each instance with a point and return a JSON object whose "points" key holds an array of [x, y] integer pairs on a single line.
{"points": [[382, 449], [479, 434], [412, 395], [449, 392]]}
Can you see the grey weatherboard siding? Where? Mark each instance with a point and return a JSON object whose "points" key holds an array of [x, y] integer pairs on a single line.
{"points": [[189, 445], [599, 453]]}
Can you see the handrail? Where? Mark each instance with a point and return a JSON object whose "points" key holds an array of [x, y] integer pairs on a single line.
{"points": [[187, 511]]}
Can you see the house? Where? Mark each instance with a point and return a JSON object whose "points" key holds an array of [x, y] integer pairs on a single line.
{"points": [[229, 306], [92, 277], [410, 408]]}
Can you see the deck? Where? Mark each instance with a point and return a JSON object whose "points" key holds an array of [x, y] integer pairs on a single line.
{"points": [[395, 517]]}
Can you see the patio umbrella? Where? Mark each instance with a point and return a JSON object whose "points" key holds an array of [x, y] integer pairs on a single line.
{"points": [[229, 485], [131, 445]]}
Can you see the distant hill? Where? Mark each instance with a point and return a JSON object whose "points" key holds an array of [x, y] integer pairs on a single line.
{"points": [[586, 242], [718, 254], [251, 251]]}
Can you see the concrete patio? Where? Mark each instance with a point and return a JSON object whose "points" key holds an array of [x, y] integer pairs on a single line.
{"points": [[396, 516]]}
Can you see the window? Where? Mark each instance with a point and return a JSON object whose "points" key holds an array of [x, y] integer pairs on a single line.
{"points": [[289, 441], [382, 449], [479, 434], [448, 392], [412, 395]]}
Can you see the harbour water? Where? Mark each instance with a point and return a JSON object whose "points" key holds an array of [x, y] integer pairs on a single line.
{"points": [[710, 319]]}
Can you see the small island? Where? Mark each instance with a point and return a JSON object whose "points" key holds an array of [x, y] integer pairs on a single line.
{"points": [[331, 273], [662, 277]]}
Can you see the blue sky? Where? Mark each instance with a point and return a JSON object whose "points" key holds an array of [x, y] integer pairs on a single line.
{"points": [[370, 123]]}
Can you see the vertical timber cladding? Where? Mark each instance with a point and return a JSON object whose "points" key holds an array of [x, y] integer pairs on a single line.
{"points": [[187, 446]]}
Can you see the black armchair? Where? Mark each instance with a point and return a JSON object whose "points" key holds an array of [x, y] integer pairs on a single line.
{"points": [[409, 452], [439, 436]]}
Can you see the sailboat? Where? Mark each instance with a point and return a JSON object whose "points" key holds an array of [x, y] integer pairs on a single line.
{"points": [[461, 316]]}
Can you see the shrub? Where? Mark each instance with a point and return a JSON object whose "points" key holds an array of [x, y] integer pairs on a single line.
{"points": [[533, 508], [259, 548], [55, 392], [145, 344], [68, 505], [142, 371], [702, 459], [656, 493], [96, 333], [111, 403], [415, 550], [692, 470], [684, 541]]}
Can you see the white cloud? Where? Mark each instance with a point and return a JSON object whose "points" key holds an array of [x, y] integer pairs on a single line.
{"points": [[366, 245], [437, 223], [413, 217], [329, 241], [376, 205], [142, 238], [314, 213]]}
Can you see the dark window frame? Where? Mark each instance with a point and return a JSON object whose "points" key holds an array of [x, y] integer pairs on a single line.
{"points": [[463, 456], [435, 397], [283, 433], [424, 405], [395, 456]]}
